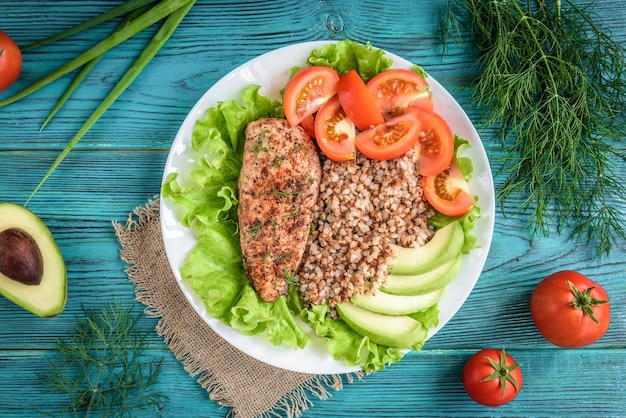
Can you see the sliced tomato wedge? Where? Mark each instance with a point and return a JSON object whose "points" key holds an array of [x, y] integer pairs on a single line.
{"points": [[435, 145], [448, 192], [391, 139], [357, 101], [335, 132], [307, 91], [397, 90], [308, 124]]}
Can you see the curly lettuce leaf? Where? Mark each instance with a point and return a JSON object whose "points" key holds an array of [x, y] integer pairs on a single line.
{"points": [[208, 204], [200, 207], [214, 268], [217, 139], [251, 316], [254, 107], [347, 55], [429, 317]]}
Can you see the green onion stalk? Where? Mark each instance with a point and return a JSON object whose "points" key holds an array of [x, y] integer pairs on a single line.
{"points": [[139, 15]]}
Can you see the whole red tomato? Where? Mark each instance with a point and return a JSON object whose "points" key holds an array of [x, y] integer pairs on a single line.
{"points": [[10, 61], [491, 377], [570, 310]]}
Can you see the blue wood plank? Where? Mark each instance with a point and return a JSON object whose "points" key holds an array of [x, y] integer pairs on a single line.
{"points": [[424, 384]]}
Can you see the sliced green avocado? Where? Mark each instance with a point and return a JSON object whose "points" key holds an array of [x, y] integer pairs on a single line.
{"points": [[445, 245], [427, 282], [388, 304], [32, 270], [391, 331]]}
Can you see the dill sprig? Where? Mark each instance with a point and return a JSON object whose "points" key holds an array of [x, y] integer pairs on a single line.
{"points": [[554, 85], [101, 366]]}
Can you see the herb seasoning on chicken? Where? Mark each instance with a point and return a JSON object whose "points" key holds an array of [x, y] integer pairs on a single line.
{"points": [[278, 188]]}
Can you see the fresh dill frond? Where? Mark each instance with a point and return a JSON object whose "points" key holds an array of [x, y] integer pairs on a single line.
{"points": [[293, 215], [285, 193], [554, 85], [255, 229], [290, 277], [260, 145], [101, 365]]}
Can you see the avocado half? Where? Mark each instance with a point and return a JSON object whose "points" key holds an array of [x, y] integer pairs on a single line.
{"points": [[32, 269]]}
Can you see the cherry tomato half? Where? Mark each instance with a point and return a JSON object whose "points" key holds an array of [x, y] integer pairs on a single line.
{"points": [[308, 124], [448, 192], [491, 377], [10, 61], [435, 144], [357, 101], [307, 91], [391, 139], [570, 310], [335, 132], [397, 90]]}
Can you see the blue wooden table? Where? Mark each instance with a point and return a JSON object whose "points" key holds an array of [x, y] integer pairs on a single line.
{"points": [[119, 164]]}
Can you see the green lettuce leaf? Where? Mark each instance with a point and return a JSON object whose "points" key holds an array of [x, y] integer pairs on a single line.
{"points": [[463, 162], [215, 269], [208, 204], [347, 55], [251, 316], [429, 317]]}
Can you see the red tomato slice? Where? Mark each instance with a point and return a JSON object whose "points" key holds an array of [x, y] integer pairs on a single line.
{"points": [[391, 139], [435, 144], [308, 124], [357, 101], [448, 192], [307, 91], [423, 100], [335, 132], [396, 90]]}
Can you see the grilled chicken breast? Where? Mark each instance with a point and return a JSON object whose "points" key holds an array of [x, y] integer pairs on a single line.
{"points": [[278, 187]]}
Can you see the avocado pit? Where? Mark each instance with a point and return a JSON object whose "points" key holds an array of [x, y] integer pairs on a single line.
{"points": [[20, 257]]}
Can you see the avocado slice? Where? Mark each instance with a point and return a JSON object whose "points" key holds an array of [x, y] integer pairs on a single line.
{"points": [[444, 245], [391, 331], [426, 282], [388, 304], [32, 269]]}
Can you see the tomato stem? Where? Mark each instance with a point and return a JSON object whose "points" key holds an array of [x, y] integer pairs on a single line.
{"points": [[584, 300], [502, 372]]}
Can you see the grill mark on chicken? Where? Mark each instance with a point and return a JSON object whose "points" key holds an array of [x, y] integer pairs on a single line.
{"points": [[278, 187]]}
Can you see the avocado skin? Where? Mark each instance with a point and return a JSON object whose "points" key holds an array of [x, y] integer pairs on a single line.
{"points": [[48, 298]]}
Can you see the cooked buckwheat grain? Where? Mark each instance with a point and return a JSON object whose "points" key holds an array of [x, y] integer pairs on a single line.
{"points": [[365, 208]]}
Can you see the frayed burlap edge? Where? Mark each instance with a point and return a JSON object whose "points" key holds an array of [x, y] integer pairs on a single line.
{"points": [[247, 386]]}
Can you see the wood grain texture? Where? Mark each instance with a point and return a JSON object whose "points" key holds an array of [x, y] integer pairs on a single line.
{"points": [[119, 165]]}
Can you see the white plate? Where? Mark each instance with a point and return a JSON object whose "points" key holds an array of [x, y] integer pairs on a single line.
{"points": [[271, 71]]}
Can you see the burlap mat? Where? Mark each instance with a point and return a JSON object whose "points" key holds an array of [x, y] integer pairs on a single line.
{"points": [[249, 387]]}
